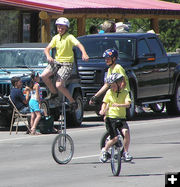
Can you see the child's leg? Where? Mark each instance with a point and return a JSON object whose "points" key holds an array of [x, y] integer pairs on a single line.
{"points": [[32, 119], [126, 139], [110, 143], [110, 130], [63, 74], [60, 86], [36, 120], [46, 79]]}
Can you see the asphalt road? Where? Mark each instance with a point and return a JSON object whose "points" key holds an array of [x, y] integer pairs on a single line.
{"points": [[26, 161]]}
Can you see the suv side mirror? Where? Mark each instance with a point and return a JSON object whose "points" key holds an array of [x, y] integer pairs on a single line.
{"points": [[149, 57]]}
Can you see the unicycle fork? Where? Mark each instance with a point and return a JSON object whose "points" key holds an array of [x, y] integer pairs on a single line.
{"points": [[62, 146]]}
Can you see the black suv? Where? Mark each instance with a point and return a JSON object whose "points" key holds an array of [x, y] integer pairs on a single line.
{"points": [[20, 59]]}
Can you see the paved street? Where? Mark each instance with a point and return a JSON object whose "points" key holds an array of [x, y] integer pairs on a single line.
{"points": [[155, 145]]}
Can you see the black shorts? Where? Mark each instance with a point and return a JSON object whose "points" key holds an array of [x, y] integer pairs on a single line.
{"points": [[113, 123]]}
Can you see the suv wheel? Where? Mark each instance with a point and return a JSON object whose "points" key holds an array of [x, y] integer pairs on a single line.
{"points": [[173, 107], [5, 117], [74, 119]]}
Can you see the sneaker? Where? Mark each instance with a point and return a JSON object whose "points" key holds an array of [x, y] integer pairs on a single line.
{"points": [[51, 96], [127, 157], [103, 156], [108, 156]]}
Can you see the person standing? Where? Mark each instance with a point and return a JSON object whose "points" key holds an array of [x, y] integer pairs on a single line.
{"points": [[35, 102]]}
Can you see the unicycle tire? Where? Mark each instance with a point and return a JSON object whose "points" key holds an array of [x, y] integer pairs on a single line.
{"points": [[115, 160], [62, 148]]}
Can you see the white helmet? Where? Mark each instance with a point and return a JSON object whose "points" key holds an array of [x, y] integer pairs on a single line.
{"points": [[114, 77], [62, 21]]}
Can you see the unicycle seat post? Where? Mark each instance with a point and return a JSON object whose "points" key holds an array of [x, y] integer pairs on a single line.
{"points": [[62, 117]]}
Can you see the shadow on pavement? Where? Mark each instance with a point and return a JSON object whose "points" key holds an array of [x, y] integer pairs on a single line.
{"points": [[138, 116], [94, 118], [152, 115], [142, 175]]}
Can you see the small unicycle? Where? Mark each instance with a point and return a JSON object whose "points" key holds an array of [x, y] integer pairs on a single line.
{"points": [[62, 146], [116, 152]]}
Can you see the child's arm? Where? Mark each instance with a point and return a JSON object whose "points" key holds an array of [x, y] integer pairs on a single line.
{"points": [[126, 104], [36, 87], [104, 108], [85, 57], [47, 53], [27, 91], [100, 92]]}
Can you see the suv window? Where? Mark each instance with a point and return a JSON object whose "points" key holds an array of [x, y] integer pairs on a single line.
{"points": [[95, 47], [142, 48], [22, 57], [155, 47]]}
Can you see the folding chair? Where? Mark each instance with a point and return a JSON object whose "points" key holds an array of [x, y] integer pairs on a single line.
{"points": [[19, 117]]}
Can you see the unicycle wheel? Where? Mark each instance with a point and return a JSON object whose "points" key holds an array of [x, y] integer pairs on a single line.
{"points": [[62, 148], [115, 160]]}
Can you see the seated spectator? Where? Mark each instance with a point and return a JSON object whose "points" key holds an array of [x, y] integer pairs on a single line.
{"points": [[121, 27], [20, 101], [93, 30], [109, 26]]}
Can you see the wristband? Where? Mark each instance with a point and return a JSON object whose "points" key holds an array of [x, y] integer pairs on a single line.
{"points": [[94, 98]]}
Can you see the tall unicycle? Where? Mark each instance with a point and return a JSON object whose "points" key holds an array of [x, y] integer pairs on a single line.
{"points": [[62, 146]]}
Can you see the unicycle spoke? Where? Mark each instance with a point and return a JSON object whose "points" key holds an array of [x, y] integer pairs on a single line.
{"points": [[62, 148]]}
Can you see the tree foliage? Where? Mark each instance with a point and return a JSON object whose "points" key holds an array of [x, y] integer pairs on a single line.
{"points": [[169, 34], [168, 30]]}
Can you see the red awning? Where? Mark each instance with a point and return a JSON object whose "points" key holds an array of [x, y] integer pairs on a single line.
{"points": [[122, 4], [44, 5], [58, 6]]}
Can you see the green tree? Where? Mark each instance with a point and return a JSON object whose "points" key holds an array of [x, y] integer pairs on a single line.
{"points": [[169, 34]]}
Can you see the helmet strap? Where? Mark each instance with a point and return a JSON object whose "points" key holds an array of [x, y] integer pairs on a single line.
{"points": [[113, 61], [118, 91]]}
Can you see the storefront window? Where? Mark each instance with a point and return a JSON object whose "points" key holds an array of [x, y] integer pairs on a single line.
{"points": [[26, 27], [9, 26]]}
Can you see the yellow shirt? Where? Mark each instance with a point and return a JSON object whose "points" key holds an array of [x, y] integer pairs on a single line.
{"points": [[64, 47], [119, 69], [111, 97]]}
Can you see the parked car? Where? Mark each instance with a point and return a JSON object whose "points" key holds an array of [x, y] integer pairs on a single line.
{"points": [[20, 59], [154, 75]]}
